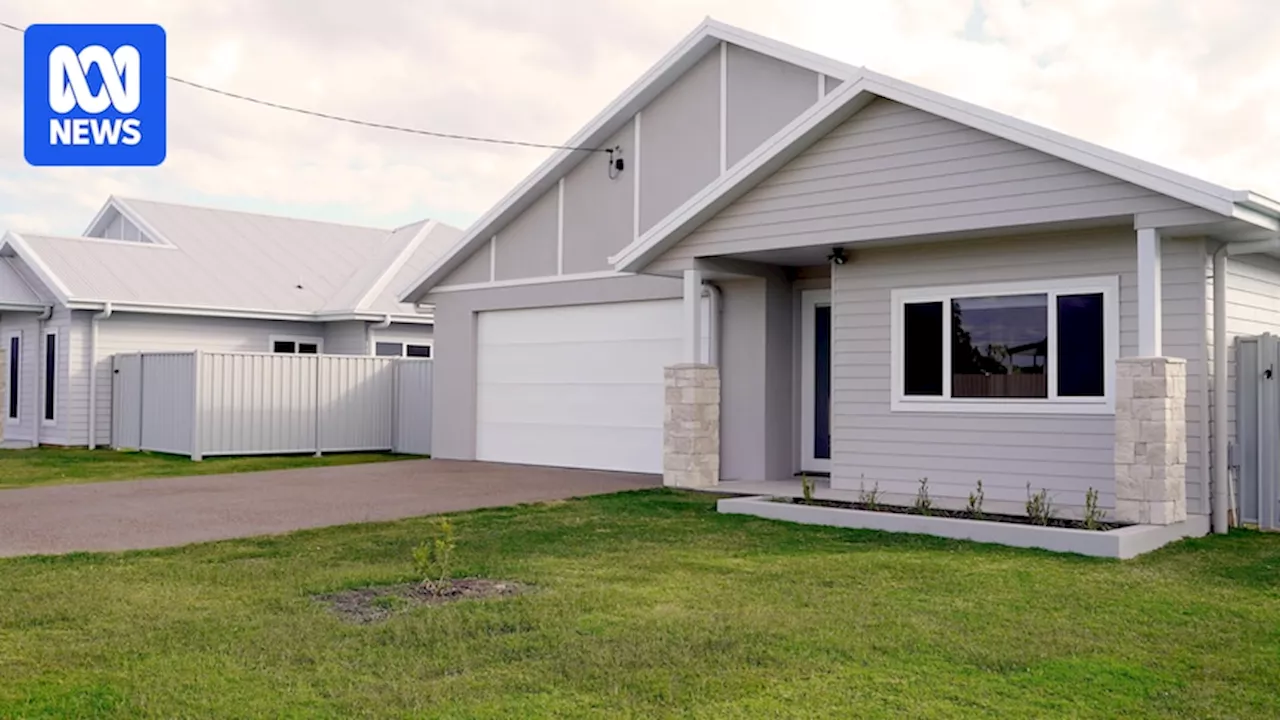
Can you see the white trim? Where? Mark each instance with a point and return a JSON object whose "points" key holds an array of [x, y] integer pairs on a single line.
{"points": [[691, 311], [403, 342], [518, 282], [33, 260], [493, 258], [296, 340], [822, 86], [44, 388], [810, 300], [560, 227], [13, 390], [390, 271], [724, 106], [1108, 286], [121, 206], [635, 169], [1150, 278]]}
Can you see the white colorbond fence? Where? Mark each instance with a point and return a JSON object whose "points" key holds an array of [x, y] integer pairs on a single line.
{"points": [[205, 403]]}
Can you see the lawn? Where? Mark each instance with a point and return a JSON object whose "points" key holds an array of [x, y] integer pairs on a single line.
{"points": [[647, 604], [57, 466]]}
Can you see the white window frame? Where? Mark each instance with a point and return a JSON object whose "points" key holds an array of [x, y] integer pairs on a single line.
{"points": [[403, 343], [44, 377], [1108, 286], [295, 339], [12, 390]]}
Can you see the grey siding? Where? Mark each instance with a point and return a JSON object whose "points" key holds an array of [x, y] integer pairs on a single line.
{"points": [[476, 269], [1065, 454], [406, 333], [598, 211], [346, 338], [893, 171], [454, 398], [763, 94], [527, 247], [680, 141], [20, 431]]}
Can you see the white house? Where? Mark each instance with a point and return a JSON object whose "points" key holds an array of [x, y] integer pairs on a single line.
{"points": [[150, 276]]}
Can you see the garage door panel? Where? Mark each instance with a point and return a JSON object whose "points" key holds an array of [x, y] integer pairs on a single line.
{"points": [[577, 446], [554, 363], [634, 404], [584, 323]]}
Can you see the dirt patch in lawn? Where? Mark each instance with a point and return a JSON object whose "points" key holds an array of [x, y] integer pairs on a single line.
{"points": [[374, 604]]}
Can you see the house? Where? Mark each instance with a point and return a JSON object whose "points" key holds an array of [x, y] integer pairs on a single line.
{"points": [[844, 273], [151, 276]]}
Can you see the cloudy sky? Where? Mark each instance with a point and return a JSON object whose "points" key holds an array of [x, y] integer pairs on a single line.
{"points": [[1189, 84]]}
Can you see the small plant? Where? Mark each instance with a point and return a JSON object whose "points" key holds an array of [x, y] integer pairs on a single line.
{"points": [[975, 502], [1093, 515], [924, 503], [1039, 506], [433, 560], [869, 500], [806, 487]]}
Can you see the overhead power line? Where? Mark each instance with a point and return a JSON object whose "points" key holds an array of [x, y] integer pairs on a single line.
{"points": [[359, 122]]}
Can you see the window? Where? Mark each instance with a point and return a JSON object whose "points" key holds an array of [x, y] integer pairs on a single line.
{"points": [[50, 376], [400, 349], [14, 374], [1046, 346], [296, 345]]}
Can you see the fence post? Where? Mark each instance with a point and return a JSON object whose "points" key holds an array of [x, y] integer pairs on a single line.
{"points": [[315, 393], [196, 453]]}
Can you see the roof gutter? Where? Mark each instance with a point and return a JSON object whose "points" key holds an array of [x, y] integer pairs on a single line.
{"points": [[93, 372], [249, 313], [368, 332]]}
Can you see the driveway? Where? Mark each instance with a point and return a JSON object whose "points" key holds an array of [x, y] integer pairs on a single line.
{"points": [[175, 511]]}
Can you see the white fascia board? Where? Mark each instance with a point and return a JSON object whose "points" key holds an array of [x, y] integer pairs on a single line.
{"points": [[783, 51], [246, 313], [52, 282], [23, 307], [400, 259]]}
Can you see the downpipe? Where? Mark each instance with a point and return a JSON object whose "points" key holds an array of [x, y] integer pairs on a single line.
{"points": [[1221, 497]]}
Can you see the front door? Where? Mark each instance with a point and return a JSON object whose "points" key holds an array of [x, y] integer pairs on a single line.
{"points": [[815, 381]]}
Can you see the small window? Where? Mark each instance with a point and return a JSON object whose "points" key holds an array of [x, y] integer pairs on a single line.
{"points": [[50, 376], [417, 351], [284, 346], [296, 345], [308, 349], [1045, 346], [14, 362], [388, 349]]}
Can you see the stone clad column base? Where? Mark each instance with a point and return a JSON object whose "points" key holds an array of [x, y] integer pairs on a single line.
{"points": [[691, 427], [1151, 440]]}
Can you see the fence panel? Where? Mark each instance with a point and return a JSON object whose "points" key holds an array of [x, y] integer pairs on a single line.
{"points": [[413, 407], [257, 403], [126, 401], [1257, 449], [357, 402], [168, 402]]}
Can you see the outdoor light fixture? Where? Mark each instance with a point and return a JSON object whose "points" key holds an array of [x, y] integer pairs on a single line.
{"points": [[615, 161], [836, 256]]}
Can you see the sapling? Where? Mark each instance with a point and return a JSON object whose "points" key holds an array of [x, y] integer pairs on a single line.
{"points": [[1039, 506], [433, 560], [924, 503], [869, 500], [1093, 515], [806, 487], [975, 502]]}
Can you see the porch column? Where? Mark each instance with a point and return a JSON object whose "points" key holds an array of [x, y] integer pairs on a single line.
{"points": [[691, 426], [691, 315], [1149, 282], [1151, 440]]}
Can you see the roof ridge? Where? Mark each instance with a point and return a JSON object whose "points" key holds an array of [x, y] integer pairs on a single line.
{"points": [[130, 201]]}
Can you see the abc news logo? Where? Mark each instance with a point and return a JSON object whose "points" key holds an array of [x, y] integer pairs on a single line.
{"points": [[121, 90]]}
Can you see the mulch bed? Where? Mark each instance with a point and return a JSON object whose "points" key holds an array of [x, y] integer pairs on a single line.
{"points": [[958, 514], [374, 604]]}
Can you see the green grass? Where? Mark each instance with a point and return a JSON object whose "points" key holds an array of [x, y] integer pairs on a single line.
{"points": [[57, 466], [647, 605]]}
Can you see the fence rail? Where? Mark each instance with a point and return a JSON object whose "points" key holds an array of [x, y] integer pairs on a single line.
{"points": [[203, 403]]}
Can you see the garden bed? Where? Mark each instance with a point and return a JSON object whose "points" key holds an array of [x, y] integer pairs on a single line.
{"points": [[374, 604], [1052, 522]]}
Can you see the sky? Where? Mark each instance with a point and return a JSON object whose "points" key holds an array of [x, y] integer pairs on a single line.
{"points": [[1189, 84]]}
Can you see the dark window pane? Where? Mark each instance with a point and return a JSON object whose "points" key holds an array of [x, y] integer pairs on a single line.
{"points": [[822, 382], [15, 357], [386, 349], [922, 348], [308, 348], [999, 346], [50, 375], [418, 351], [283, 346], [1081, 352]]}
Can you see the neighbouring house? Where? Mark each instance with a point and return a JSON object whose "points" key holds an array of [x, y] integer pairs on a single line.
{"points": [[151, 276], [844, 273]]}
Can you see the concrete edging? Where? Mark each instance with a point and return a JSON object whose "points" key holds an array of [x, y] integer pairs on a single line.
{"points": [[1121, 543]]}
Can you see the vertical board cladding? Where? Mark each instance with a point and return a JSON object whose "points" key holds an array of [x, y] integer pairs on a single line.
{"points": [[413, 407], [527, 247], [1253, 308], [257, 403], [680, 141], [1065, 454], [598, 209], [126, 402], [168, 402], [356, 403], [763, 94], [475, 269]]}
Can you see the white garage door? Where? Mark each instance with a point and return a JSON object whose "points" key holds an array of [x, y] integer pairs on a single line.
{"points": [[577, 386]]}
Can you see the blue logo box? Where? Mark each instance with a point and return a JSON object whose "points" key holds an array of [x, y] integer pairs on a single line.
{"points": [[94, 95]]}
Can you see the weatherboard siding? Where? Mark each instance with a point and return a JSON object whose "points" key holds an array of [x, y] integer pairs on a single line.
{"points": [[1065, 454], [17, 432], [893, 171], [678, 156]]}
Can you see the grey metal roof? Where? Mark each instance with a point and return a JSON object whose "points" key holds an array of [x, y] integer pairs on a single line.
{"points": [[232, 260]]}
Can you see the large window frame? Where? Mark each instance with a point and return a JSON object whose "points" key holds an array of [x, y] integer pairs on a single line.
{"points": [[52, 363], [1108, 286]]}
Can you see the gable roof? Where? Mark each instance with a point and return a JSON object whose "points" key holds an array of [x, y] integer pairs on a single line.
{"points": [[15, 293], [706, 36], [218, 262], [865, 86]]}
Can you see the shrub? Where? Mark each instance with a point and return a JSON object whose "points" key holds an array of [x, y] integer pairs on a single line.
{"points": [[1039, 506], [869, 500], [432, 560], [975, 502], [806, 487], [924, 503], [1093, 515]]}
